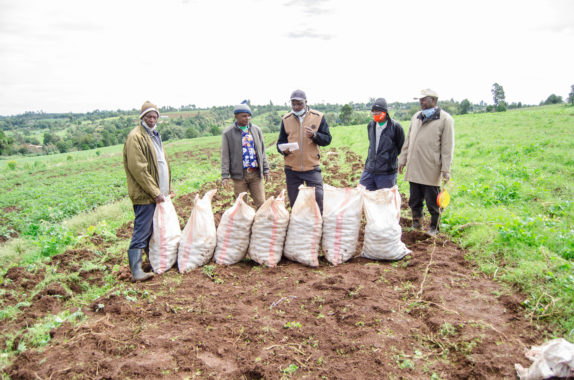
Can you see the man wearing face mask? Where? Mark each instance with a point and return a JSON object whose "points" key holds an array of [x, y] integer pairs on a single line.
{"points": [[427, 156], [149, 182], [386, 138], [309, 130], [243, 156]]}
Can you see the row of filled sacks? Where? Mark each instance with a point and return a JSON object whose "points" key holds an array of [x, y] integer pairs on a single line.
{"points": [[270, 233]]}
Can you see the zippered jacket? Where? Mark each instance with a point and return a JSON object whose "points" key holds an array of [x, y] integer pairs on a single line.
{"points": [[140, 164], [428, 149], [307, 157], [232, 151], [384, 160]]}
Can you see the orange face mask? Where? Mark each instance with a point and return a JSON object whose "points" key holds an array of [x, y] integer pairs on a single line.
{"points": [[380, 117]]}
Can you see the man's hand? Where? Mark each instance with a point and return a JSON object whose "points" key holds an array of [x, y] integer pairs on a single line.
{"points": [[160, 198], [225, 182], [401, 169], [287, 152], [172, 194], [266, 176], [309, 132], [445, 177]]}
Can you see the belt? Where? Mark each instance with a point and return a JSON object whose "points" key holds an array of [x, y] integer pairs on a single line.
{"points": [[251, 170]]}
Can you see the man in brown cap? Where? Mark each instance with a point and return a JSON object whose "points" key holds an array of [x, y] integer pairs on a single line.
{"points": [[427, 156], [149, 182]]}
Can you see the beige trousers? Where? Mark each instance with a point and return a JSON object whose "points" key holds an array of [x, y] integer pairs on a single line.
{"points": [[253, 183]]}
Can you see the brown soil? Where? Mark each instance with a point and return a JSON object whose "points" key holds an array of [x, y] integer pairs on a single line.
{"points": [[430, 313], [39, 297], [206, 153]]}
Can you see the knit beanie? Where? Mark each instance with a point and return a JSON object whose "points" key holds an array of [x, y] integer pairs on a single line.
{"points": [[380, 104], [242, 108], [148, 106]]}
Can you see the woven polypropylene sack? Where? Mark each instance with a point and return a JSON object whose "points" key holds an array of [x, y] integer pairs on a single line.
{"points": [[304, 232], [383, 232], [268, 231], [199, 236], [552, 360], [342, 212], [233, 232], [165, 237]]}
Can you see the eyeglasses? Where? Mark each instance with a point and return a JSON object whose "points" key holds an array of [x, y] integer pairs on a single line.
{"points": [[377, 112]]}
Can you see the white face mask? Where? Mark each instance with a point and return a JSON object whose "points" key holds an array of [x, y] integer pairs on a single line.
{"points": [[300, 112]]}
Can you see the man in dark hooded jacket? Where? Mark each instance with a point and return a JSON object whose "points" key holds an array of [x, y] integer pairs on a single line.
{"points": [[386, 138]]}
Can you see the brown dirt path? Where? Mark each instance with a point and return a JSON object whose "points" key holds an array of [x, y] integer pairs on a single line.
{"points": [[431, 315]]}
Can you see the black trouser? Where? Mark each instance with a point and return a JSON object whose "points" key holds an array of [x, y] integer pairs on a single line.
{"points": [[428, 194], [310, 178]]}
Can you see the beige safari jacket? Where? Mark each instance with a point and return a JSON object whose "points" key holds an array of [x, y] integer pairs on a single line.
{"points": [[428, 149]]}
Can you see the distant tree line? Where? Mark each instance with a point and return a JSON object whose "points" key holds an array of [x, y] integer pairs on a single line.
{"points": [[45, 133]]}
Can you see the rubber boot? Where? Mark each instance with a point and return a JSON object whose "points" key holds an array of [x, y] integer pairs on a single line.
{"points": [[417, 223], [135, 258], [434, 229], [146, 264]]}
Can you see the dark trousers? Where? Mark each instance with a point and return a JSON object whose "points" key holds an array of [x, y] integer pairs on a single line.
{"points": [[377, 181], [418, 193], [143, 226], [310, 178]]}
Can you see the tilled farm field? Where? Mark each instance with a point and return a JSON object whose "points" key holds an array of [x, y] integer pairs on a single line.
{"points": [[430, 315]]}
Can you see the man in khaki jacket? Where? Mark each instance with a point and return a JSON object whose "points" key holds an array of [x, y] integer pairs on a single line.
{"points": [[309, 130], [149, 182], [427, 156]]}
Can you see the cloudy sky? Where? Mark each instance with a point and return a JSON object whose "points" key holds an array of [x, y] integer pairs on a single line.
{"points": [[81, 55]]}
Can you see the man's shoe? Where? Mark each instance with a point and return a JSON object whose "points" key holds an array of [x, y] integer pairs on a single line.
{"points": [[417, 223], [135, 258], [433, 231]]}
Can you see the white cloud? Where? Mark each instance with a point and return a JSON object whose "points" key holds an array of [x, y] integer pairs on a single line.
{"points": [[67, 55]]}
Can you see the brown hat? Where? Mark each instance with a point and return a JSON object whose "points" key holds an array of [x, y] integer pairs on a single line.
{"points": [[426, 92], [148, 106]]}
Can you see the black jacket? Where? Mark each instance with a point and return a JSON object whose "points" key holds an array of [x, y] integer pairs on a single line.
{"points": [[385, 160]]}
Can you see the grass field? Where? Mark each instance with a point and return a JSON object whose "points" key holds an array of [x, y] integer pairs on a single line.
{"points": [[511, 207]]}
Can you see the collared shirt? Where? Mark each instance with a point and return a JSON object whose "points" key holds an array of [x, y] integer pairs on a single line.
{"points": [[249, 153], [378, 132], [161, 161]]}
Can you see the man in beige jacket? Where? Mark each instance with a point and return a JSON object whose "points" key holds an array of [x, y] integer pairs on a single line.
{"points": [[427, 156]]}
